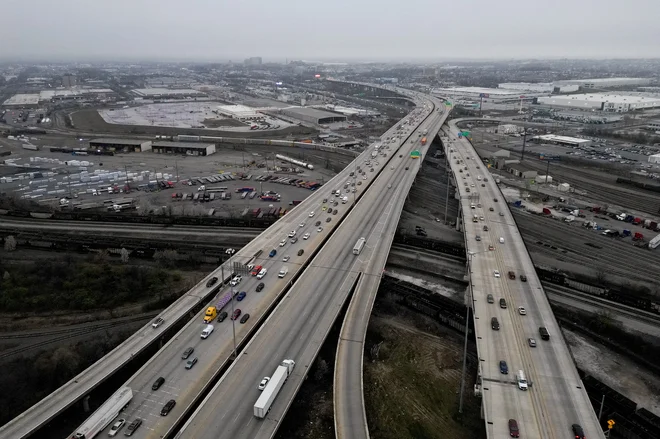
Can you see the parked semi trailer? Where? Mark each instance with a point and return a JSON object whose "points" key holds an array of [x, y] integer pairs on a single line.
{"points": [[262, 406], [104, 415]]}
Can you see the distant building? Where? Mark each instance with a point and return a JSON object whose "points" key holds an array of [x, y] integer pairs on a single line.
{"points": [[604, 82], [602, 102], [23, 101], [521, 170], [655, 158], [562, 140], [198, 149], [161, 93], [254, 61], [69, 81], [654, 125], [313, 115], [239, 112], [120, 145]]}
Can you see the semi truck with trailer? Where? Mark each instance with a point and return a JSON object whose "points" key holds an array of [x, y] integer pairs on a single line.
{"points": [[104, 415], [263, 404]]}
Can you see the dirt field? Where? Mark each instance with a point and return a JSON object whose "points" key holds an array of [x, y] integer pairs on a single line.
{"points": [[411, 389]]}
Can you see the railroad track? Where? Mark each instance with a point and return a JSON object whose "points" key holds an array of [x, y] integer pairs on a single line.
{"points": [[59, 335]]}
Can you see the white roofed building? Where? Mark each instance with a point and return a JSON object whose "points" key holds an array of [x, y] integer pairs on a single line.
{"points": [[602, 102], [240, 112]]}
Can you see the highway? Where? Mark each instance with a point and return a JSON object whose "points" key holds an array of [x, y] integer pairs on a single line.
{"points": [[213, 353], [349, 408], [298, 326], [555, 399]]}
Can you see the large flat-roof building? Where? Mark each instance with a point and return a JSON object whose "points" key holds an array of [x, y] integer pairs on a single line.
{"points": [[562, 140], [476, 93], [602, 102], [184, 148], [239, 112], [312, 115], [605, 82], [28, 100], [159, 92], [538, 87], [120, 145]]}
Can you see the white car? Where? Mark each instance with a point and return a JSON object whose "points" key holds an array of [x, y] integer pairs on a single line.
{"points": [[230, 251], [116, 427], [262, 273], [306, 235], [521, 310], [311, 214], [283, 243], [292, 233], [262, 384], [286, 258], [320, 229], [391, 167], [301, 225], [250, 267], [496, 273], [159, 321], [236, 280]]}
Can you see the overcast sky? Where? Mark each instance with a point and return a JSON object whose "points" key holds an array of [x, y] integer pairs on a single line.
{"points": [[220, 30]]}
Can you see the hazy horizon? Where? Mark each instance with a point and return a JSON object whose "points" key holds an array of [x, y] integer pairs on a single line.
{"points": [[418, 31]]}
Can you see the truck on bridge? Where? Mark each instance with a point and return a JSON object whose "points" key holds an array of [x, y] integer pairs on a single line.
{"points": [[423, 140], [262, 406], [104, 415]]}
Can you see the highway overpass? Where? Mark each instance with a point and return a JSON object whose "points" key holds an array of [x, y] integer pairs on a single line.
{"points": [[299, 325]]}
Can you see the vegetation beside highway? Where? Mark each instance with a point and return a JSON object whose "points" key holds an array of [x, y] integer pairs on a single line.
{"points": [[47, 286], [412, 372]]}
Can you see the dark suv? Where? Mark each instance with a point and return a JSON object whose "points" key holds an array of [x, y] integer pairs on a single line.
{"points": [[577, 431], [169, 405], [159, 382], [503, 367], [260, 287]]}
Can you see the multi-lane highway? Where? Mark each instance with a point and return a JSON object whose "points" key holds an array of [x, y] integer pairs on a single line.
{"points": [[555, 399], [298, 326]]}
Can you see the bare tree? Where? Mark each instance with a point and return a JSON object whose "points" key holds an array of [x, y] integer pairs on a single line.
{"points": [[10, 243], [124, 255]]}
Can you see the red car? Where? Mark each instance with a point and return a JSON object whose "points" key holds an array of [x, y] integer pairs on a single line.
{"points": [[513, 428], [256, 270], [237, 313]]}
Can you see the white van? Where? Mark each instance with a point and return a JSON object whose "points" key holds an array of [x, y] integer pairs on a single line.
{"points": [[479, 177], [262, 273], [283, 272], [344, 200], [522, 381], [501, 240], [207, 331]]}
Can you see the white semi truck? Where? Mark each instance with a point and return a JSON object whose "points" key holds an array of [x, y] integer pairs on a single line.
{"points": [[104, 415], [262, 406]]}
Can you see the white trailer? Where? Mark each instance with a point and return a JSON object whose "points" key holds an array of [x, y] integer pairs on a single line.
{"points": [[294, 161], [654, 242], [262, 406], [104, 415]]}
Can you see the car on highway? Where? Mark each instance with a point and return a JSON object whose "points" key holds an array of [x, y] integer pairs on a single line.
{"points": [[318, 223], [407, 168], [513, 428], [159, 321], [245, 318], [306, 235], [292, 233], [263, 383], [483, 185], [324, 208], [491, 248], [577, 431], [169, 405], [236, 280], [283, 243], [272, 253], [237, 313], [495, 200], [490, 298], [211, 282], [320, 229], [521, 310], [504, 369], [303, 224], [191, 362], [133, 427], [159, 382], [222, 316], [478, 238], [359, 183], [241, 296], [329, 210], [391, 167], [256, 270], [485, 228], [523, 278], [230, 251], [300, 252], [286, 258], [294, 240], [336, 203], [501, 213], [260, 287], [262, 273], [481, 218], [327, 220], [400, 155], [531, 342], [472, 185], [116, 427], [311, 214], [496, 273]]}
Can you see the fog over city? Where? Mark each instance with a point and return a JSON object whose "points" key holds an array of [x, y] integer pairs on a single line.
{"points": [[339, 30]]}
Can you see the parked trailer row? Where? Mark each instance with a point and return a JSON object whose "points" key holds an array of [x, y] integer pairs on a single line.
{"points": [[299, 182]]}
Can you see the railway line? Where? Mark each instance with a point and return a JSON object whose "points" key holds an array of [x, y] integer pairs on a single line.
{"points": [[613, 255], [62, 334]]}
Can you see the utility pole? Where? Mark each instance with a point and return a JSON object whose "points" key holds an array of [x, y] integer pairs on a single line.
{"points": [[522, 156]]}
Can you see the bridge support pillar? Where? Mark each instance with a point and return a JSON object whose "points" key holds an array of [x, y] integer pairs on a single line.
{"points": [[85, 403], [459, 220]]}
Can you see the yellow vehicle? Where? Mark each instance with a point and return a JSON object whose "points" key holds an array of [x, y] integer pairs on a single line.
{"points": [[211, 313]]}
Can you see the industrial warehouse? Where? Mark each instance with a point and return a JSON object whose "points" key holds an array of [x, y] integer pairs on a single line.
{"points": [[602, 102], [313, 115], [120, 145], [562, 140], [185, 148]]}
